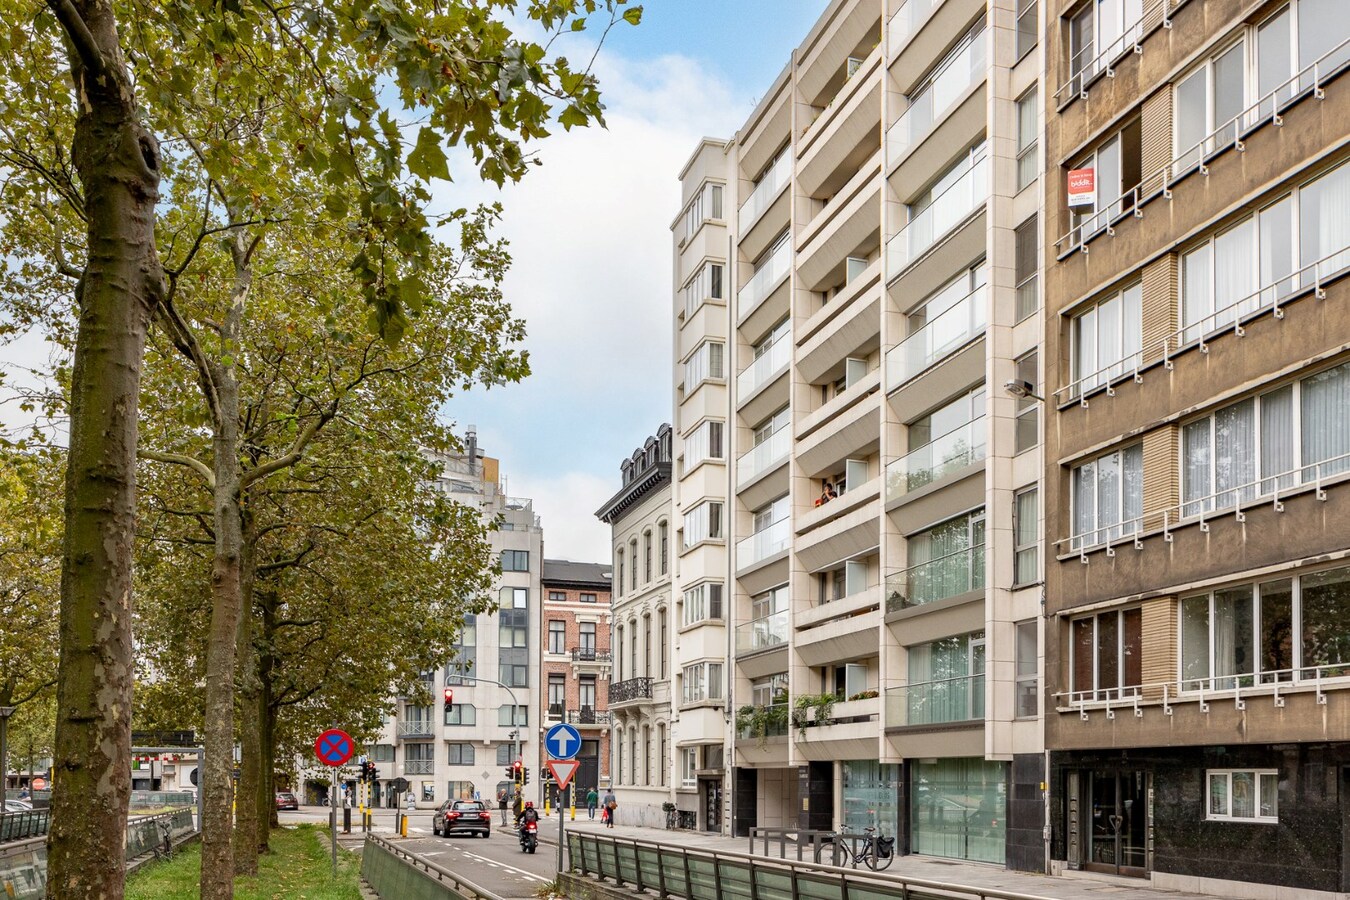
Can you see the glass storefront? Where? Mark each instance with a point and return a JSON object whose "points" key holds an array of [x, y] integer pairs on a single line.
{"points": [[871, 796], [959, 809]]}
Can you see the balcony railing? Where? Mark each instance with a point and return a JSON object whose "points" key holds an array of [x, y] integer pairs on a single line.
{"points": [[589, 715], [937, 579], [762, 634], [555, 712], [417, 728], [765, 455], [766, 277], [930, 106], [768, 364], [771, 722], [950, 208], [763, 544], [947, 332], [419, 766], [1091, 60], [589, 654], [762, 197], [1223, 693], [953, 451], [907, 20], [959, 699], [632, 689]]}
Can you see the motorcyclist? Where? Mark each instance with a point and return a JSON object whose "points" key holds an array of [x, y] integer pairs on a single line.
{"points": [[528, 814]]}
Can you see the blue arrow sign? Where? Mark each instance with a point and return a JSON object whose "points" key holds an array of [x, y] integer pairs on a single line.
{"points": [[562, 741]]}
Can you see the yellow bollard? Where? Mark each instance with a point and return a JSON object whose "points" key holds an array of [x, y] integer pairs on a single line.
{"points": [[403, 827], [546, 806]]}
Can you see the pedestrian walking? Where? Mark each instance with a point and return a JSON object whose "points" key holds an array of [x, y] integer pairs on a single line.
{"points": [[501, 801], [611, 804], [592, 801]]}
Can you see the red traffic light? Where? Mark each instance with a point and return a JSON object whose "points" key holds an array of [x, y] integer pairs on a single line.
{"points": [[449, 696]]}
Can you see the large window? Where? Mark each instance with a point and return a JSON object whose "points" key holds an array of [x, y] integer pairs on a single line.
{"points": [[1025, 537], [705, 285], [382, 752], [460, 754], [702, 523], [702, 602], [514, 598], [870, 791], [689, 767], [946, 560], [958, 808], [946, 680], [557, 636], [1118, 164], [1243, 795], [557, 692], [1256, 447], [513, 629], [1028, 160], [702, 681], [1106, 654], [460, 714], [515, 560], [1027, 687], [702, 444], [1026, 266], [506, 719], [586, 635], [706, 205], [704, 363], [1108, 497], [1107, 338], [513, 674]]}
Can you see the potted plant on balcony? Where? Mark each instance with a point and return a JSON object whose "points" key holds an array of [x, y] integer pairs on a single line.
{"points": [[759, 721], [821, 704]]}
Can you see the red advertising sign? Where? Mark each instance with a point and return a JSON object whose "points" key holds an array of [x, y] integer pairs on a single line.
{"points": [[1082, 187]]}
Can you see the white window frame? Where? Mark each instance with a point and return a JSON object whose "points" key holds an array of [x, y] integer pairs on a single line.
{"points": [[706, 363], [706, 442], [1104, 533], [702, 682], [1127, 354], [709, 284], [688, 767], [703, 602], [1227, 775], [703, 523]]}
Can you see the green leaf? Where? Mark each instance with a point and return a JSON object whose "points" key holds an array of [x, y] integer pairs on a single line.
{"points": [[427, 160], [633, 15], [579, 24]]}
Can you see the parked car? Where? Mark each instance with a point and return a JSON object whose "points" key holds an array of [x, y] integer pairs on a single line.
{"points": [[17, 806], [471, 816], [286, 800]]}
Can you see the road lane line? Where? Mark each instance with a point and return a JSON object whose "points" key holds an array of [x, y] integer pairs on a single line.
{"points": [[529, 875]]}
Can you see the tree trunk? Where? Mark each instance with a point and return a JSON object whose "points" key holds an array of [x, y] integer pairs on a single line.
{"points": [[267, 726], [118, 165], [246, 808], [217, 881]]}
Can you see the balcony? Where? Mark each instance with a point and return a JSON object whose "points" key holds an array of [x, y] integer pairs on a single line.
{"points": [[765, 279], [957, 449], [764, 544], [941, 702], [937, 579], [764, 722], [630, 690], [766, 191], [419, 767], [850, 733], [765, 368], [417, 728], [943, 335], [963, 197], [765, 456], [588, 715], [956, 77], [906, 21], [590, 654], [762, 634]]}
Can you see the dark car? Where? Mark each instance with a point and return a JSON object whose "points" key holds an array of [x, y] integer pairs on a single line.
{"points": [[286, 800], [468, 816]]}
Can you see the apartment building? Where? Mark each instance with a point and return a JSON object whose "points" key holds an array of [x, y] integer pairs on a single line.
{"points": [[575, 661], [857, 490], [1198, 350], [640, 516], [461, 749]]}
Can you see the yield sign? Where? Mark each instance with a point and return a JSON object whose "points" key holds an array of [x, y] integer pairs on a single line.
{"points": [[563, 770], [334, 747]]}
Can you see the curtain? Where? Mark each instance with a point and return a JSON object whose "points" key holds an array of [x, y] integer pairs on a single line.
{"points": [[1194, 641], [1278, 448], [1277, 251], [1235, 263], [1326, 429], [1195, 467], [1324, 222], [1132, 499], [1084, 504], [1196, 292], [1108, 497], [1235, 454]]}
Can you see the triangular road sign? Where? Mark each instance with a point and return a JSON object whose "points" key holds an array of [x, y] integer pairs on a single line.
{"points": [[563, 770]]}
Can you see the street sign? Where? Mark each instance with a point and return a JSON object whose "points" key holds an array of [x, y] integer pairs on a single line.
{"points": [[562, 741], [563, 770], [39, 784], [334, 747]]}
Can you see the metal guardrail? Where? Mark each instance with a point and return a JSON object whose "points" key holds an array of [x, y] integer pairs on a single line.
{"points": [[396, 874], [17, 826], [694, 874], [145, 833]]}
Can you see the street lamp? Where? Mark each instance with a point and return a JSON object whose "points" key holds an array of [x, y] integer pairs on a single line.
{"points": [[1022, 390]]}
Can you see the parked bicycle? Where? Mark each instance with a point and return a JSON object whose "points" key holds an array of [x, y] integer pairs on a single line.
{"points": [[874, 851]]}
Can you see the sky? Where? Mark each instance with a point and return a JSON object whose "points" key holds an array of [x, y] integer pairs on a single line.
{"points": [[591, 243]]}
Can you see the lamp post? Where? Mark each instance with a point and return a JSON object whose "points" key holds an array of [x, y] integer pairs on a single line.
{"points": [[515, 731]]}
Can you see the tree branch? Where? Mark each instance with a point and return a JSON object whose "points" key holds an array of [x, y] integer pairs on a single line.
{"points": [[179, 460], [80, 37]]}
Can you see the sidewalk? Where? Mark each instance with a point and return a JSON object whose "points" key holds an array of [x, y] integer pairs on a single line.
{"points": [[1067, 887]]}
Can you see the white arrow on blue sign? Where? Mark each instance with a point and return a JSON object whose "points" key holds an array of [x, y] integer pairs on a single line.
{"points": [[562, 741]]}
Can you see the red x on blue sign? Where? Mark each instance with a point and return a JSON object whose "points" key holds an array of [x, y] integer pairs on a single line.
{"points": [[334, 747]]}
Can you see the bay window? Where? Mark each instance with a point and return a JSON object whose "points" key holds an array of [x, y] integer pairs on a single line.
{"points": [[706, 205], [1108, 497], [702, 444], [702, 681], [702, 523], [706, 362], [1106, 661], [705, 285], [703, 602]]}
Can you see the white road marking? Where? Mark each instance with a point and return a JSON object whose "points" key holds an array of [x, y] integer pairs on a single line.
{"points": [[529, 875]]}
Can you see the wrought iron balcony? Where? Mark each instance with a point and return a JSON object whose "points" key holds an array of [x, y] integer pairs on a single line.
{"points": [[589, 654], [588, 715], [632, 689]]}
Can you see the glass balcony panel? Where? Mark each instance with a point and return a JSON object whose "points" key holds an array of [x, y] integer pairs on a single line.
{"points": [[907, 20], [959, 699], [761, 634], [949, 453], [931, 105], [759, 372], [937, 579], [765, 192], [764, 279], [765, 455], [946, 333], [948, 209], [776, 720], [763, 544]]}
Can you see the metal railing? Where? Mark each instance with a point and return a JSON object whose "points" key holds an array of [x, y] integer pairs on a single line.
{"points": [[764, 455], [774, 269], [17, 826], [929, 107], [588, 715], [1268, 298], [1238, 689], [145, 833], [951, 452], [590, 654], [766, 191], [417, 728], [936, 579], [938, 338], [762, 634], [1267, 110], [671, 870], [419, 766], [927, 226], [768, 364], [1089, 62], [393, 872], [632, 689], [959, 699]]}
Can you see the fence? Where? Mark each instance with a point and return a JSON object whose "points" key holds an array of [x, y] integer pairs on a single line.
{"points": [[17, 826], [148, 832], [679, 872], [394, 873]]}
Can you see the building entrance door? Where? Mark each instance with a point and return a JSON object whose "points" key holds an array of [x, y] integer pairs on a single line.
{"points": [[1119, 818], [712, 805]]}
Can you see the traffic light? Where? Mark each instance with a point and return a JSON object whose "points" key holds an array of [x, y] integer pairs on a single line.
{"points": [[511, 773], [449, 695], [517, 772], [526, 775]]}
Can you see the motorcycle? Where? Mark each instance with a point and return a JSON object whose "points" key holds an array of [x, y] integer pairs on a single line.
{"points": [[529, 836]]}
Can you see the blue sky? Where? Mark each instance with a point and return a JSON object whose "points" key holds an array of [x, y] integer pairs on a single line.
{"points": [[590, 238]]}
